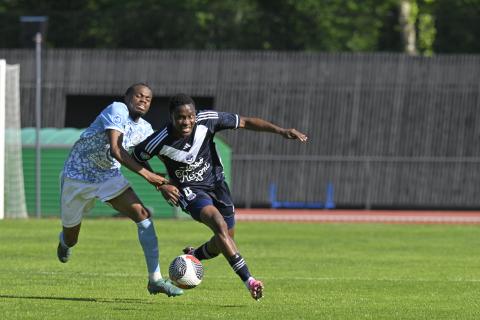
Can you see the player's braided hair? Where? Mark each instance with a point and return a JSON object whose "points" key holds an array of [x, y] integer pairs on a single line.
{"points": [[131, 89], [179, 100]]}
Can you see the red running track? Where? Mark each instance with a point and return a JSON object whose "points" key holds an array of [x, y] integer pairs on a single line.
{"points": [[360, 216]]}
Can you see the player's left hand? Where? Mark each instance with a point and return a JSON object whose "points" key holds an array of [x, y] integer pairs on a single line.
{"points": [[170, 193], [294, 134]]}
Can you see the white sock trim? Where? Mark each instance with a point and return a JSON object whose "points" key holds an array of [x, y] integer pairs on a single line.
{"points": [[144, 223], [154, 276], [205, 252], [248, 280]]}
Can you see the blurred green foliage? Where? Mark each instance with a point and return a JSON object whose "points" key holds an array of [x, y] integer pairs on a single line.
{"points": [[443, 26]]}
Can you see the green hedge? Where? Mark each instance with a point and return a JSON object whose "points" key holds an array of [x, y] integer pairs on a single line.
{"points": [[53, 157]]}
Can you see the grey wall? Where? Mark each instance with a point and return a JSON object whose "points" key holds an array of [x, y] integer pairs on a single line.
{"points": [[387, 130]]}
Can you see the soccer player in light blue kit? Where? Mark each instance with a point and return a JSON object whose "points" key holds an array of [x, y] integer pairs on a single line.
{"points": [[92, 171]]}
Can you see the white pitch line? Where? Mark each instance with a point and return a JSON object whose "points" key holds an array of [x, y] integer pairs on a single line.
{"points": [[320, 279]]}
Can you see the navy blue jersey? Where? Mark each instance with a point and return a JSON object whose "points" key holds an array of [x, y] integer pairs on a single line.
{"points": [[193, 160]]}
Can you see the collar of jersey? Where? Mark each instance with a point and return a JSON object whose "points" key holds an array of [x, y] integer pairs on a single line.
{"points": [[182, 156]]}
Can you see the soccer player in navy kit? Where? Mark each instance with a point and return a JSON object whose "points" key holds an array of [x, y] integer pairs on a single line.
{"points": [[196, 175]]}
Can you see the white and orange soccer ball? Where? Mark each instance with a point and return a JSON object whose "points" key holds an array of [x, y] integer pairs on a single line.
{"points": [[186, 271]]}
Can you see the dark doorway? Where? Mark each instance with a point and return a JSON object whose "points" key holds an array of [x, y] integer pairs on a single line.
{"points": [[83, 109]]}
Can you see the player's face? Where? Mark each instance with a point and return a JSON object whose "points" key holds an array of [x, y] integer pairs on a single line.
{"points": [[139, 102], [183, 119]]}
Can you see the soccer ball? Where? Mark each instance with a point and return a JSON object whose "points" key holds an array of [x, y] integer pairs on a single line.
{"points": [[186, 271]]}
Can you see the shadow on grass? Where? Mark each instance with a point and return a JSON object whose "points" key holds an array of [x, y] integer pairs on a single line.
{"points": [[99, 300]]}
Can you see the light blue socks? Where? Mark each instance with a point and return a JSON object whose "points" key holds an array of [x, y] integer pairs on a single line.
{"points": [[149, 242]]}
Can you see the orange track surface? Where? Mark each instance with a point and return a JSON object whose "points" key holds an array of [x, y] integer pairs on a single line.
{"points": [[360, 216]]}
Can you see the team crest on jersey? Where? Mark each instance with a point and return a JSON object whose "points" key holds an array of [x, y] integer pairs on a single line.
{"points": [[189, 158], [117, 119]]}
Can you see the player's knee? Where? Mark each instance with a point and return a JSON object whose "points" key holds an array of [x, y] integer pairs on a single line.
{"points": [[220, 225], [139, 213], [144, 213], [222, 231], [213, 219]]}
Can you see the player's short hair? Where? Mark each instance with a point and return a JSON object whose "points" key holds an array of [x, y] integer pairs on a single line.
{"points": [[179, 99], [131, 89]]}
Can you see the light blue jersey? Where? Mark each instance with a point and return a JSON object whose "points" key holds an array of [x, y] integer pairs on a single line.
{"points": [[90, 158]]}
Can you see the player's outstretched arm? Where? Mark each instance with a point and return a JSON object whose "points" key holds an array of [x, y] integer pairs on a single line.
{"points": [[118, 152], [258, 124]]}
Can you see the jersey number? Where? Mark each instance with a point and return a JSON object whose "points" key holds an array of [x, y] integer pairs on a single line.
{"points": [[189, 194]]}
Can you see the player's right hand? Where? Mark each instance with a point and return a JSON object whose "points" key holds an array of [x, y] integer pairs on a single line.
{"points": [[170, 193], [294, 134], [156, 180]]}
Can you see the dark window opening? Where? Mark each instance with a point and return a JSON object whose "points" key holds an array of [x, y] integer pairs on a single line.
{"points": [[82, 109]]}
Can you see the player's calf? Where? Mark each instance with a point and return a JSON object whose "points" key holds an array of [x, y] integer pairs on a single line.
{"points": [[240, 267], [63, 251], [201, 253]]}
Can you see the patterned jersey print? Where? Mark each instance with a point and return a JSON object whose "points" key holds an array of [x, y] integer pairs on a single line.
{"points": [[90, 158], [193, 160]]}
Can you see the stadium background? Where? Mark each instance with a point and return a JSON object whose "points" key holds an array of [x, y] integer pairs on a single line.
{"points": [[386, 130]]}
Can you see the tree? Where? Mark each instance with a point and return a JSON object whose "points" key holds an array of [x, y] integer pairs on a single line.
{"points": [[407, 17], [303, 25], [457, 23]]}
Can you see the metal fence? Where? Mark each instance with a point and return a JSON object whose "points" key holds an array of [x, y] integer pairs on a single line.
{"points": [[386, 130]]}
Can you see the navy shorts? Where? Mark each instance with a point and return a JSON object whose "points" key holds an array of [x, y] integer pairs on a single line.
{"points": [[193, 199]]}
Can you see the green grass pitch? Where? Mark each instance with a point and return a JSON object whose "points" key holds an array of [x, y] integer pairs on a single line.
{"points": [[310, 271]]}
